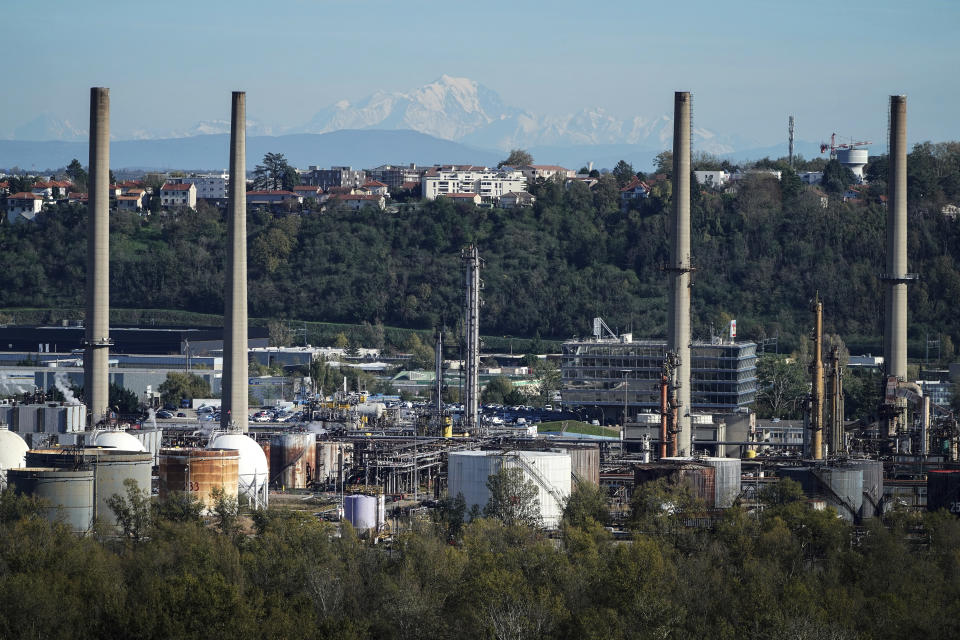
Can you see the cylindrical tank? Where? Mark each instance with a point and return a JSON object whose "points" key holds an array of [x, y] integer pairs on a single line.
{"points": [[116, 439], [112, 468], [69, 493], [700, 477], [360, 511], [550, 471], [843, 488], [854, 159], [872, 471], [13, 451], [293, 460], [584, 462], [328, 460], [253, 469], [726, 480], [198, 472], [371, 409], [943, 490]]}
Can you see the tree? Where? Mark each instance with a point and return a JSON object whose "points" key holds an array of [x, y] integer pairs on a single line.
{"points": [[624, 173], [132, 512], [513, 498], [275, 173], [663, 163], [836, 177], [183, 385], [497, 390], [587, 504], [77, 175], [123, 399], [517, 158], [782, 386]]}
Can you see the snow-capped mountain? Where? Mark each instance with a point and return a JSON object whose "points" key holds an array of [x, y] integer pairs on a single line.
{"points": [[47, 126], [463, 110]]}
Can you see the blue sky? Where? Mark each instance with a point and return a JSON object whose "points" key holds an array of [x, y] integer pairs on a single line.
{"points": [[831, 63]]}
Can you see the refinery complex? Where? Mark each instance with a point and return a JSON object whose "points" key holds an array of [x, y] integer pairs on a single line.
{"points": [[680, 409]]}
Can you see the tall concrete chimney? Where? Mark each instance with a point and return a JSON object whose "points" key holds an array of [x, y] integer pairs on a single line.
{"points": [[896, 277], [471, 415], [235, 404], [97, 335], [816, 395], [678, 327]]}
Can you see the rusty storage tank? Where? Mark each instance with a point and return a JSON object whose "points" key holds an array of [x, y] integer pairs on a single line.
{"points": [[727, 474], [943, 490], [293, 460], [840, 486], [584, 462], [700, 477], [69, 493], [111, 469], [198, 472], [329, 460]]}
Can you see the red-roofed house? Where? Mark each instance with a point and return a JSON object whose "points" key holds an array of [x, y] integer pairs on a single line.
{"points": [[178, 195], [132, 202], [51, 190], [4, 187], [23, 206], [377, 188], [546, 171], [357, 202], [635, 190], [471, 198], [308, 191]]}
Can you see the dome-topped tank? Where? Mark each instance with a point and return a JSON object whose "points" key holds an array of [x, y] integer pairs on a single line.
{"points": [[253, 470], [13, 450], [120, 440]]}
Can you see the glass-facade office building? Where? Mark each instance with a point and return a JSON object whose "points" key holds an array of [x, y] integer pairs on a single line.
{"points": [[603, 375]]}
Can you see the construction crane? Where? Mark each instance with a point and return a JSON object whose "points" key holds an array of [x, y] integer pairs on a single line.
{"points": [[834, 147]]}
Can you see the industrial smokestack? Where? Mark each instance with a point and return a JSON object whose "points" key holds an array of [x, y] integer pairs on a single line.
{"points": [[816, 400], [896, 277], [97, 349], [471, 256], [678, 328], [235, 403]]}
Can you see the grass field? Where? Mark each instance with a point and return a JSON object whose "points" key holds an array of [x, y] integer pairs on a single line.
{"points": [[575, 426]]}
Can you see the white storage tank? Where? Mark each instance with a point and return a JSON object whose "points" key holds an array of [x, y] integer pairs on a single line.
{"points": [[117, 439], [253, 470], [361, 511], [13, 452], [726, 480], [550, 471]]}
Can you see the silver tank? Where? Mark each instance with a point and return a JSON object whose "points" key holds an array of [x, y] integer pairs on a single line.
{"points": [[68, 493]]}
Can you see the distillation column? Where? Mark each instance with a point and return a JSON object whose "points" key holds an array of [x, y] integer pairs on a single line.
{"points": [[836, 403], [472, 327], [678, 322], [235, 368], [97, 339]]}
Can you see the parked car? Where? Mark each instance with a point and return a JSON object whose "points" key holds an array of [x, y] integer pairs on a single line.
{"points": [[164, 414]]}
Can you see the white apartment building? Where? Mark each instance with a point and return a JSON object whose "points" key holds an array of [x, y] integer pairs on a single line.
{"points": [[209, 185], [489, 184], [178, 195], [715, 179]]}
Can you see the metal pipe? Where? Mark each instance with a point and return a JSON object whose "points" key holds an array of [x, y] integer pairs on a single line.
{"points": [[678, 329], [97, 350], [234, 409], [664, 417]]}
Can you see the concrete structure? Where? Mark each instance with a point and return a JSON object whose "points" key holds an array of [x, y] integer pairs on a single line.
{"points": [[178, 195], [234, 407], [472, 328], [678, 320], [550, 471], [394, 175], [23, 207], [855, 160], [490, 184], [896, 276], [97, 341]]}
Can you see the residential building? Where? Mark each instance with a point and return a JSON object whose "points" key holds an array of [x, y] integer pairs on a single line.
{"points": [[307, 191], [394, 176], [178, 195], [375, 187], [634, 191], [609, 375], [133, 202], [713, 179], [811, 177], [212, 186], [357, 201], [545, 171], [23, 206], [516, 200], [51, 189], [333, 177], [261, 198], [469, 198], [490, 184]]}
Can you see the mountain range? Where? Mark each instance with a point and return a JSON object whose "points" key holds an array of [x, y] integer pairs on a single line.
{"points": [[472, 120]]}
